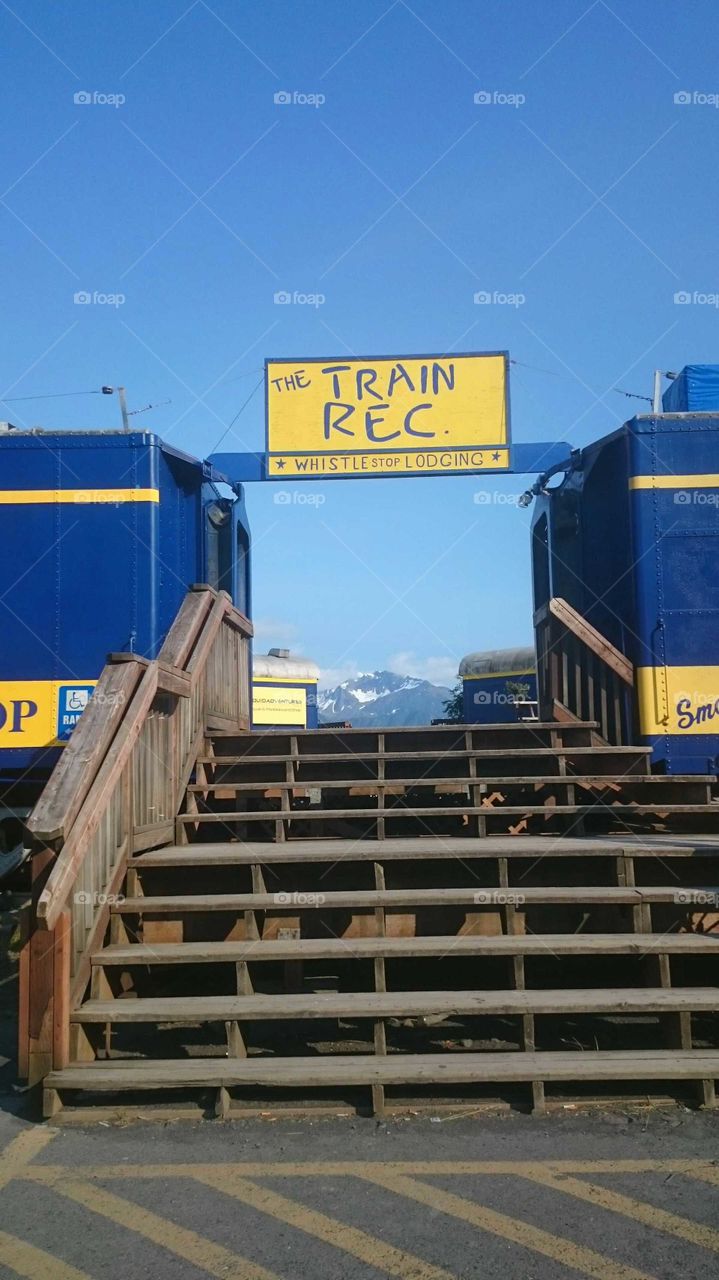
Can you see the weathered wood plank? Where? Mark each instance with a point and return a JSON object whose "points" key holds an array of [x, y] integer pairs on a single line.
{"points": [[63, 875], [399, 1004], [447, 811], [243, 853], [184, 631], [361, 1069], [75, 771], [369, 899], [564, 944], [365, 786], [593, 639], [61, 991], [430, 754]]}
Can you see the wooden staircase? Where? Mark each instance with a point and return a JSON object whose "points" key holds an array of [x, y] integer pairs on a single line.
{"points": [[368, 919]]}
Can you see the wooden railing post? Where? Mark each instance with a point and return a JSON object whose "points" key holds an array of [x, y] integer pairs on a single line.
{"points": [[62, 974], [37, 983], [581, 674]]}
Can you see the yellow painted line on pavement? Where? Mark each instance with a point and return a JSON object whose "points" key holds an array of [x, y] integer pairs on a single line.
{"points": [[375, 1253], [347, 1168], [570, 1254], [36, 1264], [637, 1210], [707, 1173], [181, 1241], [23, 1148]]}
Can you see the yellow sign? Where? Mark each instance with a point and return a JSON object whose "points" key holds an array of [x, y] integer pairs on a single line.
{"points": [[409, 415], [278, 706], [425, 462], [41, 713], [681, 700]]}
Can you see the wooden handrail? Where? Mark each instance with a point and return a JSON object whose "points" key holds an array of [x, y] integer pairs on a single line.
{"points": [[593, 639], [64, 873], [76, 797], [75, 771], [115, 791]]}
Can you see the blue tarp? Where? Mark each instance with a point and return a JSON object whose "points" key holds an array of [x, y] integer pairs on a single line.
{"points": [[695, 390]]}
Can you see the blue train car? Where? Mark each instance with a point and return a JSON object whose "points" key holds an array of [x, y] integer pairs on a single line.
{"points": [[630, 539], [102, 534], [284, 691], [498, 686]]}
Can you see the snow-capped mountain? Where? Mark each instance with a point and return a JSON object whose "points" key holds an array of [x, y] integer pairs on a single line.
{"points": [[382, 698]]}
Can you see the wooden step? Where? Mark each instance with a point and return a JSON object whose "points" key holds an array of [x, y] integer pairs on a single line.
{"points": [[430, 753], [313, 899], [600, 806], [436, 732], [398, 1004], [462, 785], [548, 944], [362, 1069], [247, 853]]}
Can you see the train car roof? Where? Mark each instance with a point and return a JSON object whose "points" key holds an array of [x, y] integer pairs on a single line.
{"points": [[488, 661], [84, 439], [291, 667]]}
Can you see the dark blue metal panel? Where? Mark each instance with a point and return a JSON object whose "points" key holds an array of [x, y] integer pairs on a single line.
{"points": [[487, 699], [675, 514], [102, 534], [694, 390]]}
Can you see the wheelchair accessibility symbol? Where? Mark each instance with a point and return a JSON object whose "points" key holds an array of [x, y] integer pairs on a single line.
{"points": [[71, 702]]}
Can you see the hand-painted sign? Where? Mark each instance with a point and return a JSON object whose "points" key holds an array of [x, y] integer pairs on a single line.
{"points": [[680, 700], [41, 713], [409, 415]]}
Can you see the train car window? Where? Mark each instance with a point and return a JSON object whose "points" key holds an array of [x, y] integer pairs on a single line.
{"points": [[540, 562], [219, 546], [242, 571]]}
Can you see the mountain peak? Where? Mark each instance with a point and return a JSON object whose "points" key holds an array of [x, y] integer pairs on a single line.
{"points": [[383, 698]]}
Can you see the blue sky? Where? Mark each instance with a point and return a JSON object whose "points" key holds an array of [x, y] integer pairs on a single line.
{"points": [[198, 197]]}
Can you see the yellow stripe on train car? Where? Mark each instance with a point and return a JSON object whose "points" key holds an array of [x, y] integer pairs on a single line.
{"points": [[710, 480], [296, 680], [81, 497], [680, 700]]}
